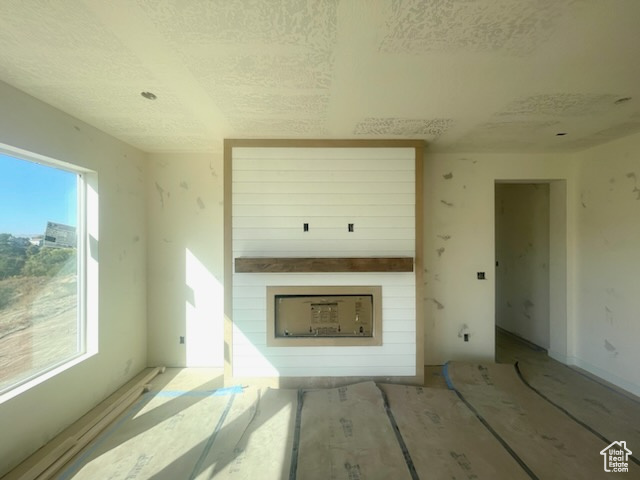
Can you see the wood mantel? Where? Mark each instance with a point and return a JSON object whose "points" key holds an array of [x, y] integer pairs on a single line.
{"points": [[322, 264]]}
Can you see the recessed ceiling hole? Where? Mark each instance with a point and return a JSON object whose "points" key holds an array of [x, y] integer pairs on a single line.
{"points": [[148, 95]]}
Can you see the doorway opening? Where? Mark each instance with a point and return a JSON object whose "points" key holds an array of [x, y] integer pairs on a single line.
{"points": [[530, 254]]}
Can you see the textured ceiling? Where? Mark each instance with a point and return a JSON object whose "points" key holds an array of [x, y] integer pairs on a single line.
{"points": [[465, 75]]}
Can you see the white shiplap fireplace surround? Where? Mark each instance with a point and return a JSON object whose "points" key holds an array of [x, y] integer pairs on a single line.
{"points": [[342, 212]]}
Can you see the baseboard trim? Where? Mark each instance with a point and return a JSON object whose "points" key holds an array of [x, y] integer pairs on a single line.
{"points": [[560, 357], [620, 382]]}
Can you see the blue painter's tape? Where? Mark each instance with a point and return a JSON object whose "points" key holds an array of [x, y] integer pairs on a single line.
{"points": [[220, 392], [447, 378], [228, 390]]}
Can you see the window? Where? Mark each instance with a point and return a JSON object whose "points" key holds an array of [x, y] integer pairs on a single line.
{"points": [[42, 280]]}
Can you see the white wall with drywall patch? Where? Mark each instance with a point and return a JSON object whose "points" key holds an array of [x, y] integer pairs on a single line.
{"points": [[35, 416], [607, 297], [185, 260], [460, 242]]}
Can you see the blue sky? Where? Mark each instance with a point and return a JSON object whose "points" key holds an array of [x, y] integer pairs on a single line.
{"points": [[32, 195]]}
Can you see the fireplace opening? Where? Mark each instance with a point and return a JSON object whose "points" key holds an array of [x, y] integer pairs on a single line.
{"points": [[324, 315], [311, 315]]}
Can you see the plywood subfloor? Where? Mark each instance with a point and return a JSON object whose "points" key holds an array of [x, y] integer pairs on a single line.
{"points": [[433, 377], [346, 434], [352, 432], [612, 413], [493, 425], [549, 443], [445, 439]]}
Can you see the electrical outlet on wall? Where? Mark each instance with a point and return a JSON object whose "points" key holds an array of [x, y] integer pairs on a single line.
{"points": [[464, 332]]}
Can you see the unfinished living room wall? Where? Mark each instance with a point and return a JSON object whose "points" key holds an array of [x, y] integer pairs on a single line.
{"points": [[37, 415], [607, 326], [185, 221], [602, 235], [459, 242], [459, 199]]}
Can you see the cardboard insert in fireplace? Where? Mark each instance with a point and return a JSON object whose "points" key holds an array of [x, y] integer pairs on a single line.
{"points": [[324, 315], [309, 315]]}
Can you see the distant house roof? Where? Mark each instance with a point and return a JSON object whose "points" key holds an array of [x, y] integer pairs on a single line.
{"points": [[60, 235]]}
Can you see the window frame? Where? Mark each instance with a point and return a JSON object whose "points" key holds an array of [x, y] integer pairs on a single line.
{"points": [[86, 336]]}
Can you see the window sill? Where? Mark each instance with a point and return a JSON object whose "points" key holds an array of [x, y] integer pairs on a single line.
{"points": [[43, 377]]}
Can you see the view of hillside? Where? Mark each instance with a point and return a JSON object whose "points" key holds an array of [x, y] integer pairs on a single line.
{"points": [[38, 307]]}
